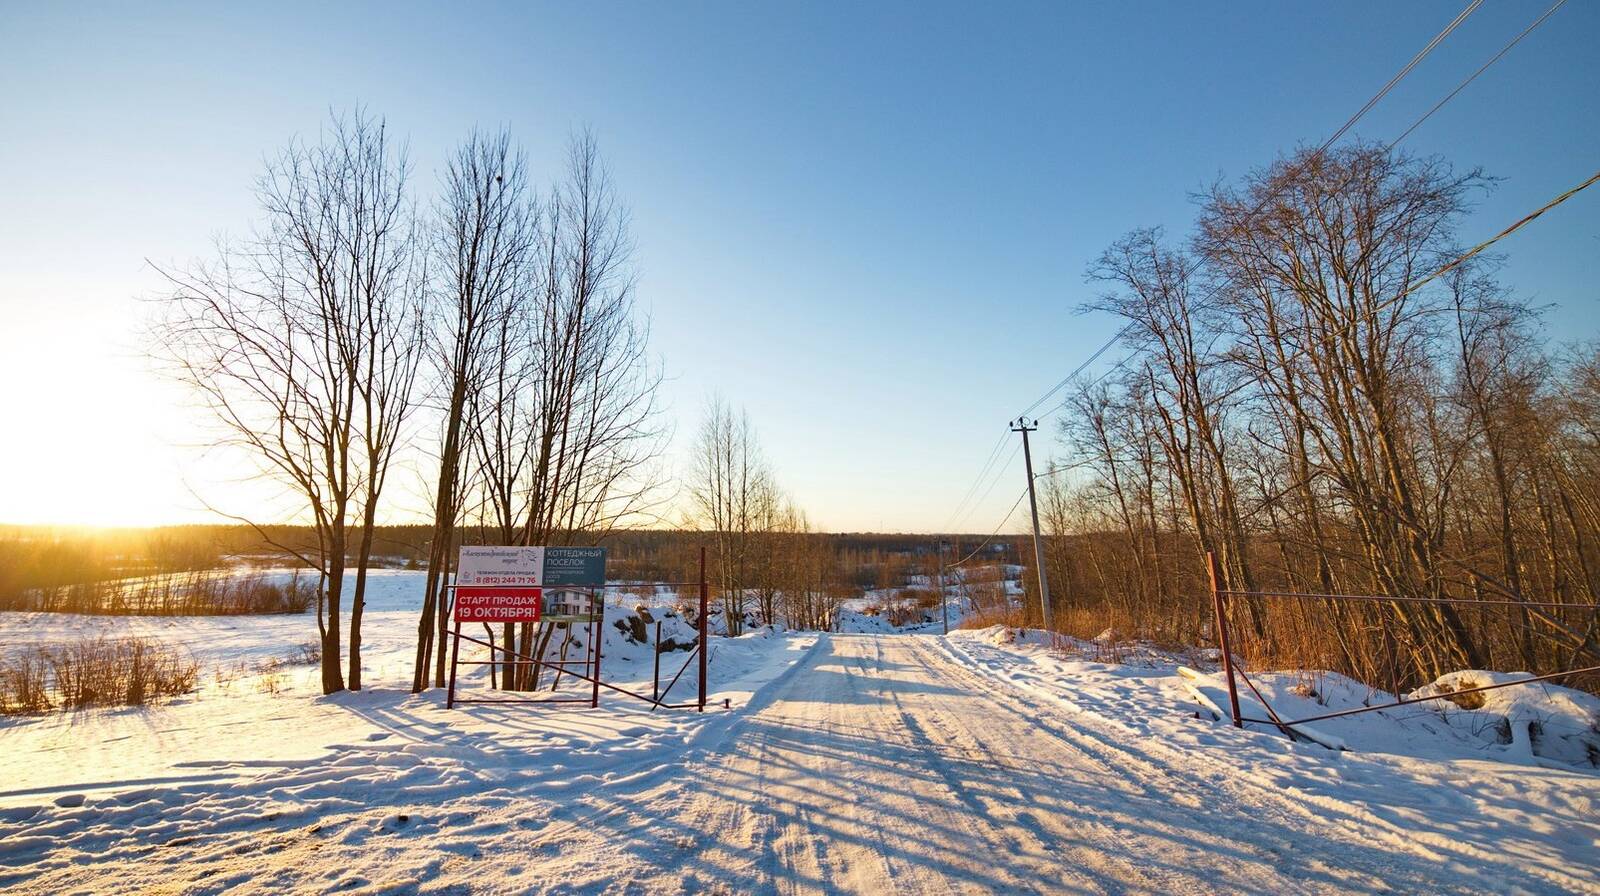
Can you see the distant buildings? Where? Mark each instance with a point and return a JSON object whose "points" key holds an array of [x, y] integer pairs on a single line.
{"points": [[567, 602]]}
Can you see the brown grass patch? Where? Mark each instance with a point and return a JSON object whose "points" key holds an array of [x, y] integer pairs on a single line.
{"points": [[93, 672]]}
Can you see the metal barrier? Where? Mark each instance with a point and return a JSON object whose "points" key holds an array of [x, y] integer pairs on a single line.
{"points": [[1234, 671], [590, 665]]}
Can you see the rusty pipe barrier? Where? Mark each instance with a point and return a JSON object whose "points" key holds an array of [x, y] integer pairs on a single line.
{"points": [[1222, 637], [1219, 598]]}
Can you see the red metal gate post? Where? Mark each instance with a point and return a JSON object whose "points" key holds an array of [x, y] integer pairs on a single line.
{"points": [[704, 646], [1222, 637], [655, 682], [455, 656], [597, 635]]}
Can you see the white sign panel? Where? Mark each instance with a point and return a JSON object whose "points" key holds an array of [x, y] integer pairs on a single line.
{"points": [[483, 565]]}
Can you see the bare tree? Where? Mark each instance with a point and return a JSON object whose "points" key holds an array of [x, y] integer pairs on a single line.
{"points": [[565, 427], [1332, 416], [485, 243], [731, 491], [303, 342]]}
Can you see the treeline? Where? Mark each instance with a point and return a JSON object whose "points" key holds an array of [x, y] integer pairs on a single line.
{"points": [[34, 558], [768, 563], [145, 570], [1324, 396]]}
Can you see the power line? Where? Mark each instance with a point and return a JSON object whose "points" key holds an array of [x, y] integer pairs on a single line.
{"points": [[996, 531], [1343, 129], [1102, 375], [999, 474], [1481, 69], [994, 454], [1525, 220], [1058, 469], [1079, 369], [1367, 107], [1377, 97]]}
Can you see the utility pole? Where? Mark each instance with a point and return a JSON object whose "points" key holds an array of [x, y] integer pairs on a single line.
{"points": [[1021, 425], [944, 604]]}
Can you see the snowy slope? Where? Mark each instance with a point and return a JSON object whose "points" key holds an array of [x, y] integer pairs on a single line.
{"points": [[877, 764], [981, 762], [1422, 786], [258, 736]]}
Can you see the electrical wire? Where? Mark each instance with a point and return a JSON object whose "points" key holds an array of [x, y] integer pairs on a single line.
{"points": [[994, 454], [996, 531], [1378, 97], [1526, 219], [1343, 129], [999, 474], [1077, 370], [1481, 69]]}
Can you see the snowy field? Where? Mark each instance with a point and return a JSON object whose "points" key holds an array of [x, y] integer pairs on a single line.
{"points": [[869, 763], [259, 743]]}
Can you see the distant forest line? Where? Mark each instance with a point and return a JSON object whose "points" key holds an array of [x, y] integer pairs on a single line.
{"points": [[33, 557]]}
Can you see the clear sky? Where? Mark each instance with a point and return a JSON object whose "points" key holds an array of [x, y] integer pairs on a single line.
{"points": [[865, 223]]}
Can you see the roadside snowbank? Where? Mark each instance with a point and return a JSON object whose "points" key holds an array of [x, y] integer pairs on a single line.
{"points": [[1410, 780], [1536, 722]]}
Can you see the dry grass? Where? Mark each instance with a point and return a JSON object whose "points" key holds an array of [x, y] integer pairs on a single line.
{"points": [[93, 672], [1474, 700], [984, 618]]}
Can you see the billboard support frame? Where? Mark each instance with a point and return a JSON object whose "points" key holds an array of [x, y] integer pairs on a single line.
{"points": [[591, 664]]}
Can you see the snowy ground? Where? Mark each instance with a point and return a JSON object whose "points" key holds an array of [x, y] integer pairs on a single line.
{"points": [[1455, 811], [869, 613], [851, 763], [258, 745]]}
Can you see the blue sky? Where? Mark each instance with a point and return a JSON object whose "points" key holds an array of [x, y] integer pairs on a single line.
{"points": [[865, 223]]}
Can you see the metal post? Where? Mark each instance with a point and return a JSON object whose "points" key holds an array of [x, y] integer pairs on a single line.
{"points": [[1038, 545], [455, 656], [704, 647], [1222, 637], [655, 681], [944, 605], [597, 629]]}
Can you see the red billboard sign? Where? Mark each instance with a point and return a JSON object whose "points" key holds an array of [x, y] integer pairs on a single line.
{"points": [[489, 604]]}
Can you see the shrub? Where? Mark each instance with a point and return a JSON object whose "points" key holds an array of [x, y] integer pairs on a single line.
{"points": [[193, 593], [309, 653], [24, 683], [93, 672]]}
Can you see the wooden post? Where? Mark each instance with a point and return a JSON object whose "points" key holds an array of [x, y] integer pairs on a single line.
{"points": [[1222, 637]]}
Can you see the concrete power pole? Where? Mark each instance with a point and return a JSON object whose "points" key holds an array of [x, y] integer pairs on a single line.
{"points": [[1021, 425]]}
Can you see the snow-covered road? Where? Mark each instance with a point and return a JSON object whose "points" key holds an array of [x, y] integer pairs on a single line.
{"points": [[886, 766], [876, 764]]}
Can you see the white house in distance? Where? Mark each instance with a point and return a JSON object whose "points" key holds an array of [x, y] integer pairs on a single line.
{"points": [[567, 602]]}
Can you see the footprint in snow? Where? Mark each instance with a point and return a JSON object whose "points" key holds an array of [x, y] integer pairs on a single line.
{"points": [[70, 801]]}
